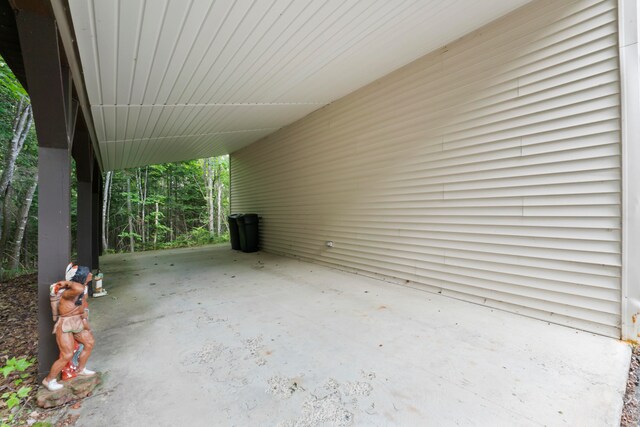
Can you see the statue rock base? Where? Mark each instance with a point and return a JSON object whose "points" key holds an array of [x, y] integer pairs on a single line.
{"points": [[74, 389]]}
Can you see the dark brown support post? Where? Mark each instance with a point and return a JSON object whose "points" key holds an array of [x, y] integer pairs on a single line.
{"points": [[96, 211], [84, 223], [51, 107], [54, 240], [83, 154]]}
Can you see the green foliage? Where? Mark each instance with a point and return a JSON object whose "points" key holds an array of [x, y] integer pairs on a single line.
{"points": [[169, 205], [196, 237], [12, 95], [14, 364], [13, 398], [9, 84], [8, 274], [126, 235]]}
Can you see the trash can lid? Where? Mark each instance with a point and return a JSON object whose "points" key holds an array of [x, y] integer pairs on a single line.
{"points": [[250, 218], [234, 216]]}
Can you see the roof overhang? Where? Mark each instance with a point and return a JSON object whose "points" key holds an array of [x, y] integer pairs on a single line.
{"points": [[179, 80]]}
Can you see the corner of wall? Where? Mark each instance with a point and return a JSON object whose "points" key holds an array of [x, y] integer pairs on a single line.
{"points": [[628, 14]]}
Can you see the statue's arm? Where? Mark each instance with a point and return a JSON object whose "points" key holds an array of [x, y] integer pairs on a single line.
{"points": [[72, 289]]}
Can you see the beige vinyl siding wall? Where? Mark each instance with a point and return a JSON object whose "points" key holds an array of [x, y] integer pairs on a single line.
{"points": [[488, 170]]}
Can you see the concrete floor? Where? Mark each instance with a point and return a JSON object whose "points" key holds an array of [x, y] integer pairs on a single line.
{"points": [[209, 336]]}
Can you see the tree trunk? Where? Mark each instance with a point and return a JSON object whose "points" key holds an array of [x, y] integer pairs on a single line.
{"points": [[25, 246], [139, 204], [21, 125], [106, 199], [209, 183], [155, 230], [143, 199], [170, 207], [22, 122], [6, 220], [219, 197], [130, 216], [23, 217]]}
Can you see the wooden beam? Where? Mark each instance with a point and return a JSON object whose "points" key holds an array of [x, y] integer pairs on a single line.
{"points": [[46, 77], [50, 101], [96, 210], [10, 42], [83, 154], [54, 241], [38, 7]]}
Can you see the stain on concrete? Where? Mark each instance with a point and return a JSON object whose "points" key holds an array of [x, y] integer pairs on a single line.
{"points": [[256, 350], [332, 404], [282, 388], [357, 389], [207, 355]]}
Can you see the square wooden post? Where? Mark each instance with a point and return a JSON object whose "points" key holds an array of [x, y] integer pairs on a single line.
{"points": [[50, 93]]}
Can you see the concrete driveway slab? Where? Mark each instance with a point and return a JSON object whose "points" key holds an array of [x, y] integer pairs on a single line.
{"points": [[209, 336]]}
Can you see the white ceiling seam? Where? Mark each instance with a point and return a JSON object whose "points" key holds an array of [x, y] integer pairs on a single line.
{"points": [[188, 136], [254, 114]]}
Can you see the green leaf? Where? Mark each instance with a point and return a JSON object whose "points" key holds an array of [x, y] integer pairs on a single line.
{"points": [[17, 382], [6, 370], [24, 392], [13, 401], [22, 364], [23, 376], [5, 395]]}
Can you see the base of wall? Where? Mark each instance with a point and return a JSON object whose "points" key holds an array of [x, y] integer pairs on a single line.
{"points": [[550, 317]]}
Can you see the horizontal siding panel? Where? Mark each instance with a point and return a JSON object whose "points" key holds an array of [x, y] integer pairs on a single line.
{"points": [[488, 171], [401, 228], [318, 219], [583, 256]]}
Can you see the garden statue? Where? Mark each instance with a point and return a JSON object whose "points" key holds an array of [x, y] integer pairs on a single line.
{"points": [[73, 335]]}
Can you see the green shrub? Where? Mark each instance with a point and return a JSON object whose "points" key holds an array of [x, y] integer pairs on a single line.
{"points": [[13, 398]]}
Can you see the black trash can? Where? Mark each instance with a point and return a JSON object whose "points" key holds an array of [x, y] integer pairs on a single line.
{"points": [[248, 230], [234, 235]]}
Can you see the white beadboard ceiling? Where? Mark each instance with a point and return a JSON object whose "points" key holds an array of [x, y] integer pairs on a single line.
{"points": [[172, 80]]}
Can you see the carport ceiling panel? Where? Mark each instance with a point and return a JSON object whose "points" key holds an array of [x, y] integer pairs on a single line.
{"points": [[132, 153], [161, 121], [179, 70]]}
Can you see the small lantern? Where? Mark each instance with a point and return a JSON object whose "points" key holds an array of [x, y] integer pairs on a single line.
{"points": [[99, 290]]}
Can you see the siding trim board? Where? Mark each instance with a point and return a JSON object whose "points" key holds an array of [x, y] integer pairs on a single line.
{"points": [[629, 33], [488, 171]]}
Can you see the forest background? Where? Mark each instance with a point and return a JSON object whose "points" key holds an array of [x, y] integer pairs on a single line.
{"points": [[152, 207]]}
